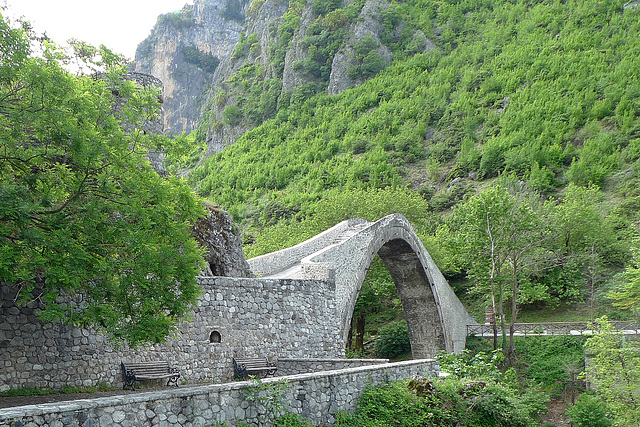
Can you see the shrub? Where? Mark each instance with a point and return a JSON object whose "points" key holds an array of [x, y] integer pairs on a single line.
{"points": [[467, 365], [393, 340], [445, 403], [589, 411], [290, 420], [546, 360], [204, 61], [232, 115]]}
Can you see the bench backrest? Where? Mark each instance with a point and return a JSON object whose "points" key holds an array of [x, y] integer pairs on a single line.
{"points": [[253, 362]]}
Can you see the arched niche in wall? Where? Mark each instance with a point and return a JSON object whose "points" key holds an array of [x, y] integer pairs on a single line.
{"points": [[215, 337]]}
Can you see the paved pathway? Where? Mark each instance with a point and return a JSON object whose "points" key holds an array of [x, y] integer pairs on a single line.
{"points": [[295, 271]]}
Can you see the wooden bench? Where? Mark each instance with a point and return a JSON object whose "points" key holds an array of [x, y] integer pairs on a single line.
{"points": [[138, 371], [253, 365]]}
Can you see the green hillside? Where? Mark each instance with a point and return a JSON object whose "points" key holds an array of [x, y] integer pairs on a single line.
{"points": [[546, 93]]}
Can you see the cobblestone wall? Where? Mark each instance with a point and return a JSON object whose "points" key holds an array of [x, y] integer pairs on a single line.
{"points": [[317, 397], [234, 317], [293, 366]]}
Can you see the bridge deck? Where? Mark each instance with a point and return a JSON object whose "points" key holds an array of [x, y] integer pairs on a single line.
{"points": [[294, 271]]}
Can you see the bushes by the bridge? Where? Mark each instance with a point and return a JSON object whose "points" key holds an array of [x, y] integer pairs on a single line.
{"points": [[550, 361], [393, 340], [589, 411], [446, 402]]}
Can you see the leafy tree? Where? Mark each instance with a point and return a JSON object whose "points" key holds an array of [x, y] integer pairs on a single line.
{"points": [[580, 242], [627, 294], [614, 372], [87, 228], [369, 62], [500, 234]]}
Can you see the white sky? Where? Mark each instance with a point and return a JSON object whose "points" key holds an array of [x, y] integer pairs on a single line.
{"points": [[118, 24]]}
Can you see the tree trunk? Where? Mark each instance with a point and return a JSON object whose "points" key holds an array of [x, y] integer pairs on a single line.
{"points": [[493, 291], [503, 326], [514, 314], [349, 345], [360, 323]]}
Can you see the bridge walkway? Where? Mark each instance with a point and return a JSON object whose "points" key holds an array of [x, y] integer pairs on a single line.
{"points": [[295, 271]]}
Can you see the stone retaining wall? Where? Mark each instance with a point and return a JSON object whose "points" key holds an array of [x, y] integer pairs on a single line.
{"points": [[317, 397], [293, 366], [234, 318]]}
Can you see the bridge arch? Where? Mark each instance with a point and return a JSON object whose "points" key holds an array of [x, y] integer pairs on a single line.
{"points": [[416, 292], [436, 318]]}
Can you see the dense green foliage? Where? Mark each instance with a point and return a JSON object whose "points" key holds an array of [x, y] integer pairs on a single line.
{"points": [[627, 295], [589, 411], [205, 61], [549, 361], [393, 340], [477, 394], [543, 91], [291, 225], [614, 371], [87, 228]]}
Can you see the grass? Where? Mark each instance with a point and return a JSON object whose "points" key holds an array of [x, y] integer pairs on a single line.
{"points": [[66, 389], [561, 313]]}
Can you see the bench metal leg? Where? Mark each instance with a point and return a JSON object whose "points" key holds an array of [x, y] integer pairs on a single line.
{"points": [[129, 382]]}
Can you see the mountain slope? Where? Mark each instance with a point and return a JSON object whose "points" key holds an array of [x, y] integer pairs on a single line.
{"points": [[544, 91]]}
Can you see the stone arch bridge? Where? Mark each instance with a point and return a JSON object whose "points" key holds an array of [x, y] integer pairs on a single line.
{"points": [[436, 318]]}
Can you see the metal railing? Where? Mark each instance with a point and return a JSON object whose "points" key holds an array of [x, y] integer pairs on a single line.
{"points": [[552, 328]]}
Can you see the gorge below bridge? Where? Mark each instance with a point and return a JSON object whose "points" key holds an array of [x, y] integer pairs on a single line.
{"points": [[435, 316]]}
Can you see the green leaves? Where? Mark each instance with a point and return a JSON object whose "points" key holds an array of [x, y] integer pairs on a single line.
{"points": [[614, 370], [86, 226], [627, 294], [393, 340]]}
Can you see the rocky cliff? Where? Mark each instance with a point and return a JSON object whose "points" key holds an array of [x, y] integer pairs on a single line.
{"points": [[222, 245], [183, 51], [272, 54]]}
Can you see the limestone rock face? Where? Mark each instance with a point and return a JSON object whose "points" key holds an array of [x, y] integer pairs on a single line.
{"points": [[169, 53], [263, 22], [224, 256], [368, 24], [259, 44]]}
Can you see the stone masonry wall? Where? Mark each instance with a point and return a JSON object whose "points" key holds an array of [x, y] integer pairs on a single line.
{"points": [[249, 317], [317, 397], [293, 366]]}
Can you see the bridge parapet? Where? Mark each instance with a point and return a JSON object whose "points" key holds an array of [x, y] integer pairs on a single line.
{"points": [[265, 265], [318, 271]]}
